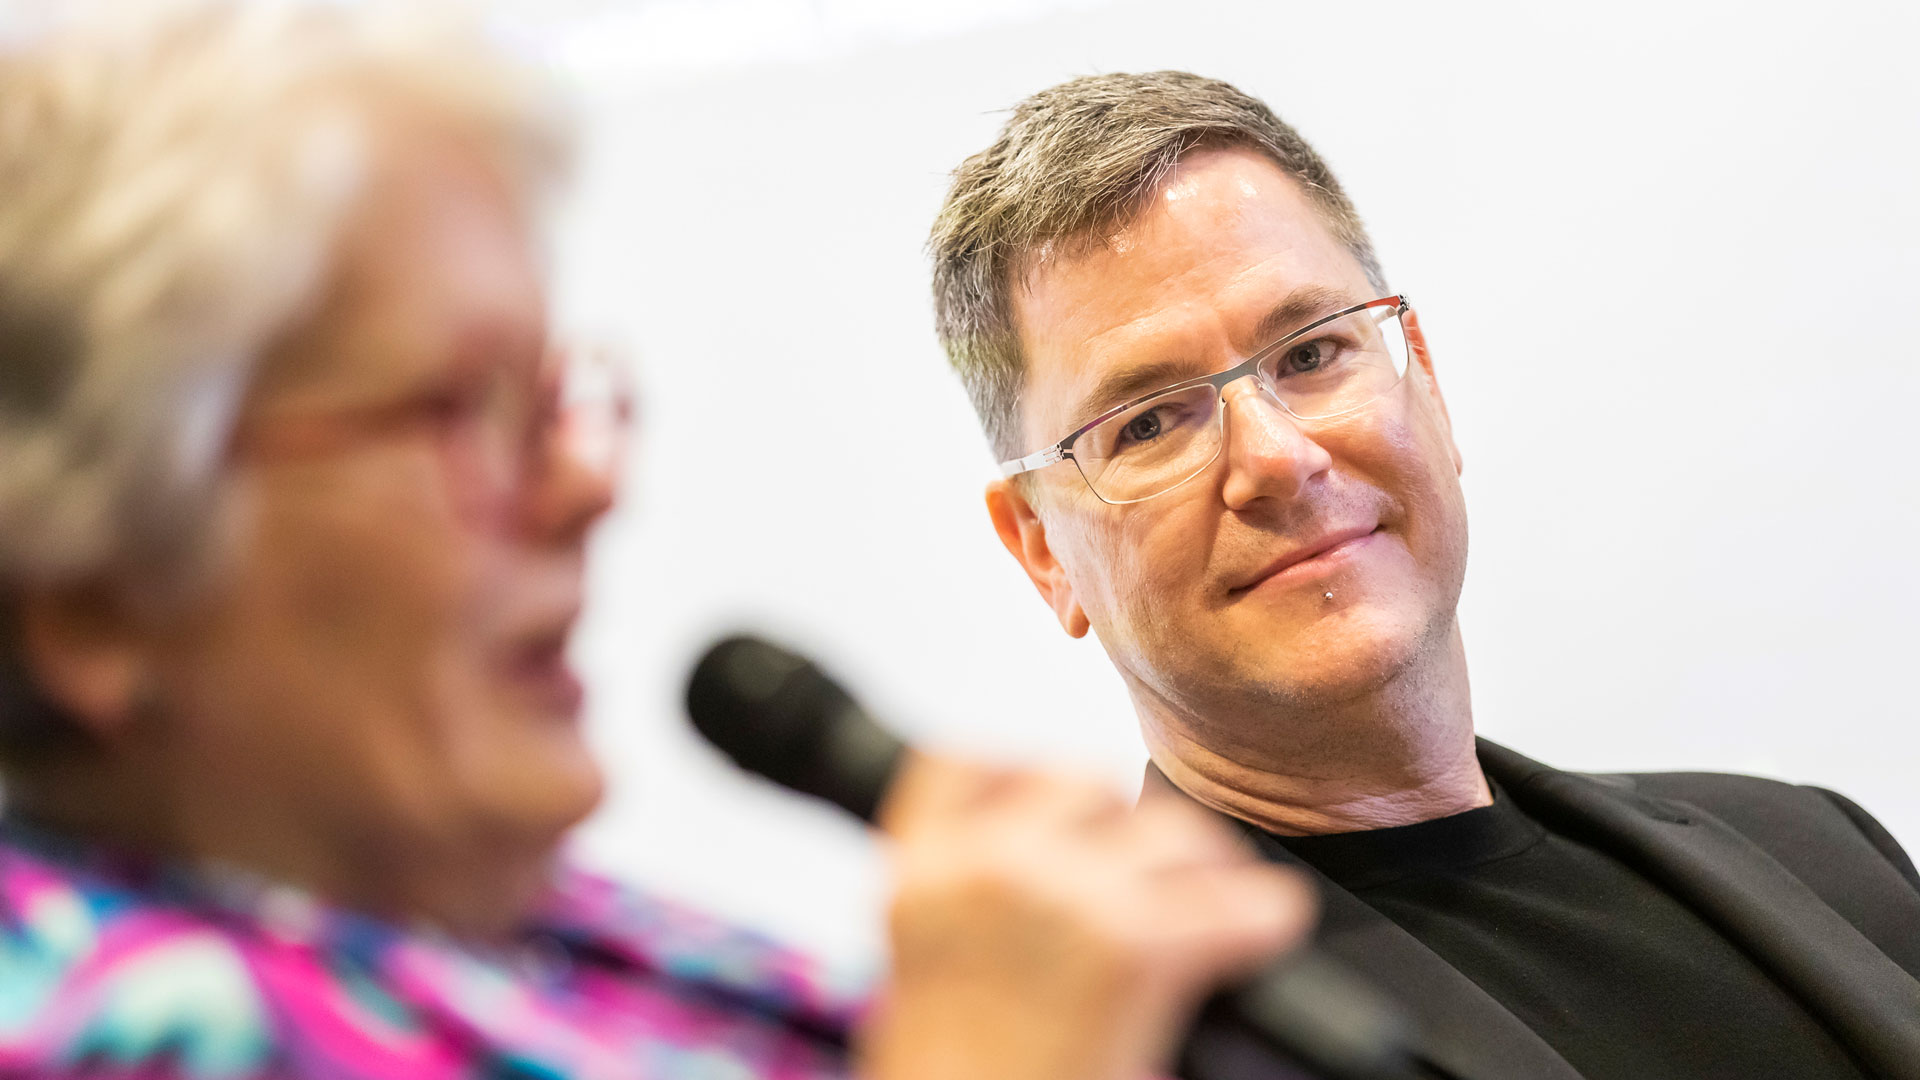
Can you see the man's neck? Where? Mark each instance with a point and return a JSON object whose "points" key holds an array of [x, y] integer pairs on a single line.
{"points": [[1401, 755]]}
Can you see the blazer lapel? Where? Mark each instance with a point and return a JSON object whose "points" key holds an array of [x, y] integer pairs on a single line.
{"points": [[1866, 999], [1462, 1031]]}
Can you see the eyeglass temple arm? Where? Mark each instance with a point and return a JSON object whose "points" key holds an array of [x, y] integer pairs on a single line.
{"points": [[1039, 459]]}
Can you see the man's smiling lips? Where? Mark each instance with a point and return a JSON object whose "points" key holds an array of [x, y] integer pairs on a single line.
{"points": [[1324, 554]]}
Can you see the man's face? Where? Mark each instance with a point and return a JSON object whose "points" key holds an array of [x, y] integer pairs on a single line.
{"points": [[1181, 588]]}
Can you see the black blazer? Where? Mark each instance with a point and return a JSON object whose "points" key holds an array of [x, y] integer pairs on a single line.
{"points": [[1802, 879]]}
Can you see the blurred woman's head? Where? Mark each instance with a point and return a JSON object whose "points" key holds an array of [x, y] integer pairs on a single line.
{"points": [[290, 543]]}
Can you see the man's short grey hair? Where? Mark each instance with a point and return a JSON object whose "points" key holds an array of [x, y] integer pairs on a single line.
{"points": [[171, 188], [1073, 164]]}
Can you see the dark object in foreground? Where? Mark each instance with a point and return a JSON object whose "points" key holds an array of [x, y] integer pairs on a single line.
{"points": [[777, 714]]}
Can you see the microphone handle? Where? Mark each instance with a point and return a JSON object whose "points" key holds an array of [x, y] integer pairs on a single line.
{"points": [[1306, 1008]]}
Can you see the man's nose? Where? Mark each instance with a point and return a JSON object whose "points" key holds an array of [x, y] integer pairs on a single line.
{"points": [[1267, 454]]}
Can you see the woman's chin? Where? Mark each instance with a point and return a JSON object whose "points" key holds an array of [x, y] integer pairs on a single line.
{"points": [[544, 785], [571, 791]]}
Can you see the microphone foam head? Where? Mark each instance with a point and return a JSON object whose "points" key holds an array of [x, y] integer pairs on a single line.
{"points": [[776, 714]]}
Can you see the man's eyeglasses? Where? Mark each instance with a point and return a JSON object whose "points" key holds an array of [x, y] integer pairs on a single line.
{"points": [[498, 429], [1153, 444]]}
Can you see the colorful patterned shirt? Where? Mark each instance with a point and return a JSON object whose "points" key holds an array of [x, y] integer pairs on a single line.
{"points": [[115, 968]]}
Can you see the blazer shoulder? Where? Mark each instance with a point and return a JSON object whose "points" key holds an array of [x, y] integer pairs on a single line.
{"points": [[1876, 833], [1773, 812], [1823, 838], [1724, 794], [1813, 831]]}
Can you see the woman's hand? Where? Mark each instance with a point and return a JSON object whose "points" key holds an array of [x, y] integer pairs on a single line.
{"points": [[1044, 929]]}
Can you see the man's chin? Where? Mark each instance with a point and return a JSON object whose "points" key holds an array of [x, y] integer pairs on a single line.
{"points": [[1335, 660]]}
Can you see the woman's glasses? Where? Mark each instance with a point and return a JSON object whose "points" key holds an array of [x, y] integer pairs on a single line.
{"points": [[499, 428]]}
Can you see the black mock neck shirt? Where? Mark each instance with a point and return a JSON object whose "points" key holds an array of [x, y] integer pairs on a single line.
{"points": [[1623, 980]]}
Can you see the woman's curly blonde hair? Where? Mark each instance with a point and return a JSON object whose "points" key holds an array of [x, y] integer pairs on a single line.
{"points": [[171, 185]]}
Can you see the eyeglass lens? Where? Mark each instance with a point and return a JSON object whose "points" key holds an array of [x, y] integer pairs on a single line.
{"points": [[1160, 443], [578, 405]]}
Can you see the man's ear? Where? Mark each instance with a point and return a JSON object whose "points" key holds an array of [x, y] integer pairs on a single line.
{"points": [[77, 649], [1423, 355], [1025, 537]]}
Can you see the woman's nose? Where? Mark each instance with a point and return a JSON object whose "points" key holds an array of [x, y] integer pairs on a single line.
{"points": [[570, 490]]}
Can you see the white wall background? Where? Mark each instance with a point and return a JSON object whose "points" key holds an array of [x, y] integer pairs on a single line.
{"points": [[1667, 255], [1667, 258]]}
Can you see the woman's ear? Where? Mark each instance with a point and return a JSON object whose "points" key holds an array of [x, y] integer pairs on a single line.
{"points": [[1024, 535], [78, 649]]}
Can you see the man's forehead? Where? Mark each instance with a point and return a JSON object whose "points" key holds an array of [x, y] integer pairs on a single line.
{"points": [[1227, 245]]}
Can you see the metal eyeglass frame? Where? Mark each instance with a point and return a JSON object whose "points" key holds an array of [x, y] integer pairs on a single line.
{"points": [[1063, 450]]}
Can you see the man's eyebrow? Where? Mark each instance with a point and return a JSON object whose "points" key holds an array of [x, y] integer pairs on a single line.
{"points": [[1301, 306], [1129, 383]]}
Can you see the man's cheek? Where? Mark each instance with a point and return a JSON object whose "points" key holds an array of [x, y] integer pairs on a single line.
{"points": [[1107, 583], [1395, 440], [1147, 562]]}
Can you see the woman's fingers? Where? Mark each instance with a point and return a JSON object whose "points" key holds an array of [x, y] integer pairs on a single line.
{"points": [[1043, 927]]}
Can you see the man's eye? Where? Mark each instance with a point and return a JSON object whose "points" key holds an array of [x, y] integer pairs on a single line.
{"points": [[1306, 358], [1143, 428]]}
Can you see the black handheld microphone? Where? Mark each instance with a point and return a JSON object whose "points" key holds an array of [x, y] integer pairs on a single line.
{"points": [[776, 714]]}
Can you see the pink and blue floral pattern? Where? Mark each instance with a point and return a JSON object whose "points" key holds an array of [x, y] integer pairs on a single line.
{"points": [[117, 970]]}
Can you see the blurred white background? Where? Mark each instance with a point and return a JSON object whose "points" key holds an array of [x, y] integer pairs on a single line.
{"points": [[1667, 255]]}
